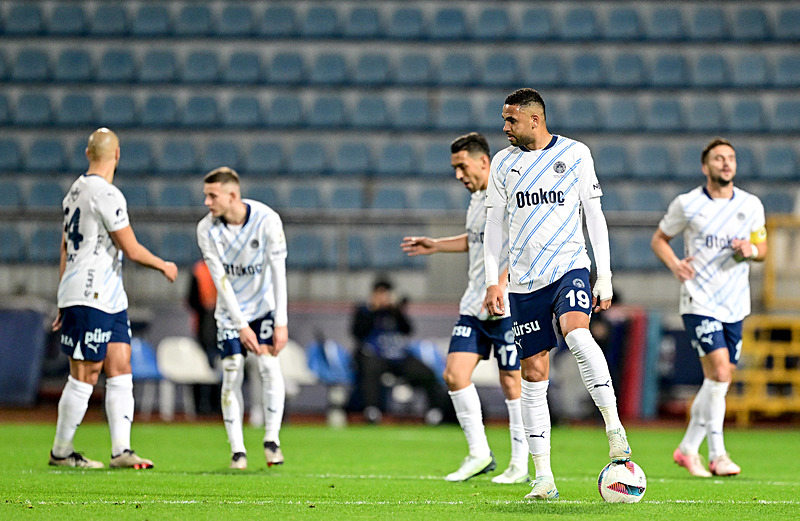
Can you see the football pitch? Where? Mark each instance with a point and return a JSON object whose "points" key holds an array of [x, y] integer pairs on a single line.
{"points": [[387, 472]]}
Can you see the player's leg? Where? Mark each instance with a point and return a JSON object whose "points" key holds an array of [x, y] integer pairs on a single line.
{"points": [[233, 407], [687, 453], [718, 368], [517, 471], [273, 400]]}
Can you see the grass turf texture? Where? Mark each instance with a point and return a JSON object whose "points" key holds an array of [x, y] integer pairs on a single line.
{"points": [[392, 472]]}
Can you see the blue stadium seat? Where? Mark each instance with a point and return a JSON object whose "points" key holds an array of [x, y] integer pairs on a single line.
{"points": [[220, 153], [627, 70], [639, 254], [31, 65], [200, 67], [178, 157], [389, 198], [665, 23], [193, 20], [777, 201], [179, 194], [669, 70], [493, 23], [265, 194], [457, 69], [117, 66], [24, 19], [306, 251], [582, 114], [397, 160], [751, 24], [545, 70], [160, 110], [285, 111], [710, 70], [45, 244], [623, 24], [33, 110], [489, 116], [752, 70], [787, 73], [580, 23], [305, 197], [435, 161], [388, 255], [179, 247], [433, 199], [611, 162], [307, 160], [118, 110], [243, 111], [688, 166], [454, 113], [151, 20], [370, 111], [321, 21], [279, 21], [449, 23], [137, 194], [75, 109], [363, 22], [352, 158], [786, 117], [709, 24], [146, 236], [347, 198], [14, 249], [647, 199], [77, 161], [10, 196], [371, 69], [10, 156], [780, 162], [109, 20], [537, 24], [243, 67], [264, 158], [286, 68], [664, 115], [328, 112], [236, 21], [586, 70], [500, 69], [329, 69], [4, 66], [746, 162], [653, 161], [406, 23], [748, 116], [135, 156], [5, 111], [414, 69], [158, 66], [73, 65], [624, 114], [706, 115], [358, 254], [45, 194], [200, 111], [788, 27]]}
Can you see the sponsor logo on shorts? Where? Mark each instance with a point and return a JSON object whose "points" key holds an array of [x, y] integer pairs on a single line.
{"points": [[524, 329], [97, 336], [464, 331], [707, 326]]}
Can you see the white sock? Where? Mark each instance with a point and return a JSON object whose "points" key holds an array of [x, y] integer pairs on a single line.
{"points": [[71, 408], [716, 418], [119, 411], [274, 396], [536, 420], [698, 420], [467, 405], [594, 372], [232, 403], [519, 449]]}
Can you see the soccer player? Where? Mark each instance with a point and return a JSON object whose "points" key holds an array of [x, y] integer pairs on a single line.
{"points": [[92, 305], [543, 184], [723, 229], [243, 244], [477, 335]]}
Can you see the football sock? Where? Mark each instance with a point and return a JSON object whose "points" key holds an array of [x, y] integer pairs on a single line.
{"points": [[698, 420], [594, 372], [232, 402], [71, 408], [274, 395], [119, 411], [536, 420], [716, 418], [519, 449], [467, 405]]}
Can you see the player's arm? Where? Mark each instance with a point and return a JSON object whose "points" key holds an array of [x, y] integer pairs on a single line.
{"points": [[598, 235], [62, 266], [754, 249], [126, 241], [277, 262], [426, 246], [681, 268], [492, 250]]}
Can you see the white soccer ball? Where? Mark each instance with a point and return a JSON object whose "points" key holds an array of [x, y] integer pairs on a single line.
{"points": [[622, 482]]}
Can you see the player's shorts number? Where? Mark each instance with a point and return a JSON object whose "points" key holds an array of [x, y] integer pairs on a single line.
{"points": [[581, 296], [508, 355], [266, 329]]}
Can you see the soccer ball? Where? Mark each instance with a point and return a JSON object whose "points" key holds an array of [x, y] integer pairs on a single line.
{"points": [[622, 482]]}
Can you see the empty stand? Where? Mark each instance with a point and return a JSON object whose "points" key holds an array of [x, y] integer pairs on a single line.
{"points": [[264, 158], [320, 21], [109, 20], [160, 110], [623, 23], [24, 19], [178, 158], [158, 66], [179, 247], [151, 20], [117, 66], [193, 20], [243, 67], [14, 249], [68, 20], [449, 23], [347, 198], [31, 65], [75, 109], [351, 159], [44, 246], [236, 21], [580, 23], [33, 110], [279, 21], [200, 111], [285, 111], [200, 67], [220, 153], [243, 111], [363, 22], [73, 65], [46, 155], [305, 197]]}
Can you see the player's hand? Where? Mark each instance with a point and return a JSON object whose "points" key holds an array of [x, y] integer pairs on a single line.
{"points": [[280, 335], [494, 302], [57, 321], [418, 246], [683, 270], [170, 271], [249, 340], [743, 250], [602, 293]]}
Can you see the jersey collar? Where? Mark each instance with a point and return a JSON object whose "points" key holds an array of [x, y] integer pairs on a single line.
{"points": [[705, 191], [246, 217], [550, 145]]}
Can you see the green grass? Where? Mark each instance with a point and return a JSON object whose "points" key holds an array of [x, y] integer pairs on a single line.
{"points": [[392, 472]]}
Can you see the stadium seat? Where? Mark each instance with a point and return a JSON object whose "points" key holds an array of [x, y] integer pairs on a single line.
{"points": [[179, 195], [706, 115], [14, 249], [45, 194], [200, 67], [135, 157], [647, 199], [182, 361], [31, 65], [307, 160], [75, 109], [623, 24], [10, 196], [493, 23], [688, 166], [748, 116], [780, 162], [747, 162], [200, 111], [611, 162], [347, 198], [653, 161], [363, 22], [220, 153], [264, 158], [160, 110], [371, 69], [73, 65], [500, 69], [46, 155], [710, 70], [456, 69], [320, 21], [358, 253], [285, 111], [329, 69], [33, 110], [151, 21], [370, 111], [24, 19], [145, 373], [4, 66], [489, 117], [279, 21], [306, 251], [137, 194], [5, 111], [243, 67], [750, 24], [178, 158], [406, 23], [433, 199], [243, 111], [449, 23], [158, 66], [582, 114], [389, 198], [627, 70], [67, 20], [236, 21], [786, 117], [414, 69], [580, 23], [639, 254], [305, 197], [545, 70], [664, 115], [77, 161], [624, 114], [586, 70], [435, 160], [751, 70], [777, 201], [709, 24], [45, 244], [180, 247], [665, 23], [109, 20], [265, 194], [327, 112], [454, 113], [397, 160], [117, 66], [118, 110], [193, 20], [388, 255], [787, 73], [669, 71], [352, 158], [413, 113], [536, 24], [788, 27], [10, 156]]}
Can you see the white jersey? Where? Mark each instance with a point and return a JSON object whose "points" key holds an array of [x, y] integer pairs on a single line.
{"points": [[472, 300], [92, 208], [240, 258], [542, 192], [720, 288]]}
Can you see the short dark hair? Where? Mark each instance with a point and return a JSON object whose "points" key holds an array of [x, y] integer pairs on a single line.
{"points": [[382, 283], [472, 143], [223, 174], [525, 98], [717, 141]]}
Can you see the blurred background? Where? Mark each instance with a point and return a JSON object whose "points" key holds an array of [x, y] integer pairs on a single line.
{"points": [[339, 115]]}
